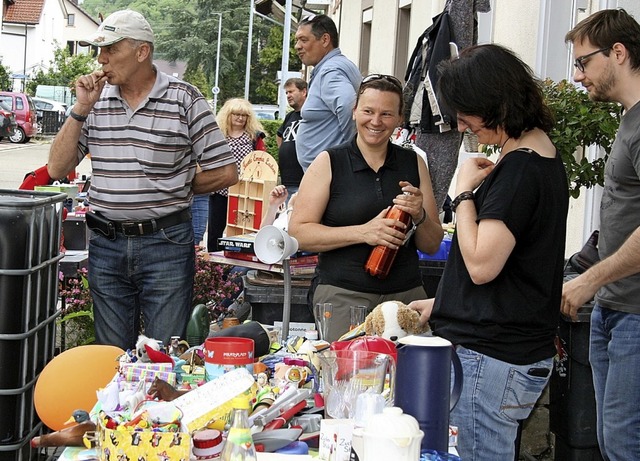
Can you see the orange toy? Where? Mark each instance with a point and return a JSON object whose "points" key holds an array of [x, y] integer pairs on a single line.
{"points": [[70, 381]]}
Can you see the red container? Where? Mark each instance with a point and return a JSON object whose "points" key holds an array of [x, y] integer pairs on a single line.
{"points": [[367, 343], [222, 354]]}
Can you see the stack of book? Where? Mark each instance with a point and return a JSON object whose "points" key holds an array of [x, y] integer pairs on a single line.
{"points": [[241, 247]]}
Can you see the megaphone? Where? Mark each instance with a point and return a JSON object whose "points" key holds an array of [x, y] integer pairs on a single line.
{"points": [[273, 245]]}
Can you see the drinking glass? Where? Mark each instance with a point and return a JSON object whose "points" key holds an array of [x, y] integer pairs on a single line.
{"points": [[323, 314], [358, 314]]}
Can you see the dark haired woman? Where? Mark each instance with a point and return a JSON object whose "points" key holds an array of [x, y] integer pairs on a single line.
{"points": [[342, 202], [499, 297]]}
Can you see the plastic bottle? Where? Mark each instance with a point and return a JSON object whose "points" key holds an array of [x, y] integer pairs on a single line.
{"points": [[381, 257], [239, 445]]}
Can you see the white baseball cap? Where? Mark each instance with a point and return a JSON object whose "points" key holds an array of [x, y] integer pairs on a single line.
{"points": [[120, 25]]}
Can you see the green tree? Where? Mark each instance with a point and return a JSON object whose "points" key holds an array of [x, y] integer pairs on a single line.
{"points": [[271, 62], [63, 70], [5, 77], [188, 31], [196, 77]]}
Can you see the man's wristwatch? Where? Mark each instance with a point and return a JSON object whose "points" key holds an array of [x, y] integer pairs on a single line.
{"points": [[466, 195], [78, 117]]}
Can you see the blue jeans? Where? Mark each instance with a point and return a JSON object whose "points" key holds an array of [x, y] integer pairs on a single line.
{"points": [[613, 353], [199, 216], [149, 276], [495, 396]]}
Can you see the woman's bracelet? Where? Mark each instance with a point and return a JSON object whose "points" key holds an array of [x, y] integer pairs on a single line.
{"points": [[466, 195], [422, 219]]}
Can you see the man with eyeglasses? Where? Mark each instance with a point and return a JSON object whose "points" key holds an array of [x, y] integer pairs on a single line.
{"points": [[606, 46], [327, 112]]}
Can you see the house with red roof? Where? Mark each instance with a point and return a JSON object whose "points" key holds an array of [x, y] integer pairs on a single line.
{"points": [[31, 30]]}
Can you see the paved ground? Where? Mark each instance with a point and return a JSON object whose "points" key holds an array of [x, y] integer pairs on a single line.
{"points": [[16, 160]]}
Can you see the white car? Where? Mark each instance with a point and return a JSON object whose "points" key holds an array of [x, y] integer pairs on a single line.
{"points": [[49, 105], [266, 111]]}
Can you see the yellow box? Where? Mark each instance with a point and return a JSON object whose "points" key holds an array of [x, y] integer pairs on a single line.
{"points": [[136, 445]]}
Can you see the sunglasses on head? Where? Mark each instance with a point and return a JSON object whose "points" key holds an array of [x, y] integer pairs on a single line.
{"points": [[389, 78]]}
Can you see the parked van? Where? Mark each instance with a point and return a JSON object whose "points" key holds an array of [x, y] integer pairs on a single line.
{"points": [[25, 112]]}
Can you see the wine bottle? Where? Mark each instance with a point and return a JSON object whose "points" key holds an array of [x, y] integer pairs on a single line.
{"points": [[382, 257]]}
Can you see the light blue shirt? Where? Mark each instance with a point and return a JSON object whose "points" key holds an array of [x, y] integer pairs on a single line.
{"points": [[327, 112]]}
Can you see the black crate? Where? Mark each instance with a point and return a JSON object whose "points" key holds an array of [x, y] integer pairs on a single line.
{"points": [[267, 303], [431, 272], [572, 406], [30, 224]]}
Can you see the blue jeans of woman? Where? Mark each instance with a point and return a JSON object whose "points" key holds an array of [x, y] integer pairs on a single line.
{"points": [[613, 353], [495, 396], [148, 277], [199, 216]]}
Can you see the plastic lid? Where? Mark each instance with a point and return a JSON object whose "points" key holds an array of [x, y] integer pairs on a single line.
{"points": [[425, 340], [392, 423]]}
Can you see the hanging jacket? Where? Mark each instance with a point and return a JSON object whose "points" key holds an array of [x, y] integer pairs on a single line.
{"points": [[423, 108]]}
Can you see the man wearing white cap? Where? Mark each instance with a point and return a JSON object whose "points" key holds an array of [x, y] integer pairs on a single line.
{"points": [[145, 131]]}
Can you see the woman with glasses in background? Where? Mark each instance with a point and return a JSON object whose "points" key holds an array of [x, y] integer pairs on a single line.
{"points": [[244, 133], [342, 202]]}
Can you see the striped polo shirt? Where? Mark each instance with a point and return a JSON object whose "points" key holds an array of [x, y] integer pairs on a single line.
{"points": [[143, 160]]}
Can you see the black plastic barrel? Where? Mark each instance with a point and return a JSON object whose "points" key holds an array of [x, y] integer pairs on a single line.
{"points": [[30, 224], [572, 406]]}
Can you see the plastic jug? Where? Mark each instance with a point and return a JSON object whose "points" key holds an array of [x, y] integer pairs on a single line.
{"points": [[349, 373], [392, 435], [423, 385]]}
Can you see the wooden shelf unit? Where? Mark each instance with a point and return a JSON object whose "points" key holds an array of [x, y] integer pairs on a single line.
{"points": [[249, 198]]}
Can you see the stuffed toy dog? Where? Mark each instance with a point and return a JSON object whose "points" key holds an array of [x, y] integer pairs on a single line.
{"points": [[141, 351], [393, 320]]}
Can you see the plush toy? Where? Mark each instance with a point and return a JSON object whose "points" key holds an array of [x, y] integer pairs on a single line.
{"points": [[141, 351], [393, 320]]}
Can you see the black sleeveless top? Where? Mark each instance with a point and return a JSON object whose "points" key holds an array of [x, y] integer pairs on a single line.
{"points": [[357, 194]]}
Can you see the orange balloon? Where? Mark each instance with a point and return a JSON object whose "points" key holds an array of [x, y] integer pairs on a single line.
{"points": [[69, 382]]}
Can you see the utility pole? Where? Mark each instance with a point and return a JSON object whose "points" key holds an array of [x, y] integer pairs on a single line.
{"points": [[249, 41], [216, 88], [284, 72]]}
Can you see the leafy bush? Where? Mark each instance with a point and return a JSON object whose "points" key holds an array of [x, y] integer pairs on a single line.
{"points": [[271, 128], [580, 123], [77, 310]]}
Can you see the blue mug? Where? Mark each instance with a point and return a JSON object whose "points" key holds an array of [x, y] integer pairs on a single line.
{"points": [[423, 385]]}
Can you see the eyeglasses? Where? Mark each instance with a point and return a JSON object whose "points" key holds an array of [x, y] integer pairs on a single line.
{"points": [[389, 78], [579, 62], [240, 115]]}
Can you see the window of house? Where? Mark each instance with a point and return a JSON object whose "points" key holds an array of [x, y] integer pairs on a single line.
{"points": [[71, 20]]}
